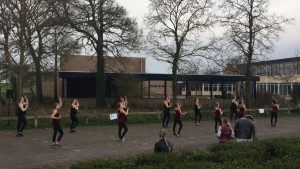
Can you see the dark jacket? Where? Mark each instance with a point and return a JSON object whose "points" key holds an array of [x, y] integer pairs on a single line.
{"points": [[245, 128], [163, 146]]}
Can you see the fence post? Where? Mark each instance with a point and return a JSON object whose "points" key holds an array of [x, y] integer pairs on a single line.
{"points": [[35, 121]]}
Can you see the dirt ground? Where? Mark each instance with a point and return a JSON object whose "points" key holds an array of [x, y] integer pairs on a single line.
{"points": [[34, 150]]}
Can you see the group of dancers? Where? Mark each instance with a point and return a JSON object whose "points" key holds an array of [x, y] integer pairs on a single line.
{"points": [[237, 109], [22, 107]]}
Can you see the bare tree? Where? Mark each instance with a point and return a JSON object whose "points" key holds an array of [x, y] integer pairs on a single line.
{"points": [[104, 25], [13, 32], [251, 31], [175, 29], [61, 42]]}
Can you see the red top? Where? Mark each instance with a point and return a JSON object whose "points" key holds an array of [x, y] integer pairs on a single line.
{"points": [[56, 121], [242, 112], [275, 109], [218, 113], [177, 114], [225, 133], [121, 117]]}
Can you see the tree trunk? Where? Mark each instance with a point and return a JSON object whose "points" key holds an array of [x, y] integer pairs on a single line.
{"points": [[19, 77], [174, 78], [38, 82], [100, 79], [55, 66]]}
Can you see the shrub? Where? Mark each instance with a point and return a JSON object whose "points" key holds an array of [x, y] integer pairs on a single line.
{"points": [[275, 153]]}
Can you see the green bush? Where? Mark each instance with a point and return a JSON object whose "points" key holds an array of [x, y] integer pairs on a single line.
{"points": [[275, 153]]}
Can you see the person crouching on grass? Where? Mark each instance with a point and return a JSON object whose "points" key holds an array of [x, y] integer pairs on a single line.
{"points": [[225, 132], [177, 118], [56, 123]]}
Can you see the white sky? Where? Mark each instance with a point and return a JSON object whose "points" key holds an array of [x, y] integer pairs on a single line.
{"points": [[287, 46]]}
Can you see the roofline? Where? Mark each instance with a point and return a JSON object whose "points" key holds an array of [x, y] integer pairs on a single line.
{"points": [[157, 76], [277, 61], [136, 57]]}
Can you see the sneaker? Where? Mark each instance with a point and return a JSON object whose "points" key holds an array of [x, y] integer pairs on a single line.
{"points": [[18, 135], [177, 135], [122, 140], [21, 135], [54, 145]]}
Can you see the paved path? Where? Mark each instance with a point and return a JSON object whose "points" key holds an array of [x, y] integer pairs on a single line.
{"points": [[34, 151]]}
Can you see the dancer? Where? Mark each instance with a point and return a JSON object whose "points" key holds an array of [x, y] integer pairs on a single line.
{"points": [[163, 145], [274, 112], [225, 132], [177, 118], [56, 123], [167, 106], [122, 117], [73, 114], [21, 114], [233, 109], [218, 113], [198, 115], [242, 109]]}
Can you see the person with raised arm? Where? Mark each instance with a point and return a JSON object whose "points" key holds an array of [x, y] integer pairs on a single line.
{"points": [[22, 106], [218, 114], [122, 117], [73, 114], [274, 112], [198, 115], [233, 109], [56, 116], [166, 111]]}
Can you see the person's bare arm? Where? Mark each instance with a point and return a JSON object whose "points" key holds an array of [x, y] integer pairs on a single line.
{"points": [[21, 106], [59, 103]]}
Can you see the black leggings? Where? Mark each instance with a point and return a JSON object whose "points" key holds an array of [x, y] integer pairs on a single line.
{"points": [[122, 125], [74, 121], [57, 128], [231, 115], [217, 121], [166, 118], [273, 116], [21, 124], [198, 117], [174, 125]]}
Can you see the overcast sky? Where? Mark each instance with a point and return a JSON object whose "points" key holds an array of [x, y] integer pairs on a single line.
{"points": [[287, 46]]}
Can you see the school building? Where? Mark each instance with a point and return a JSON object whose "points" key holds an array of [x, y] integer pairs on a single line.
{"points": [[78, 79], [277, 77]]}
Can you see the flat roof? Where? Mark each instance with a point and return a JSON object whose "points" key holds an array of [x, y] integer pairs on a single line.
{"points": [[284, 60], [157, 76]]}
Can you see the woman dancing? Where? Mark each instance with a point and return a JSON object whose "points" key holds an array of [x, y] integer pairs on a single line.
{"points": [[122, 117], [56, 123], [177, 118], [21, 114], [73, 114], [167, 106], [198, 115]]}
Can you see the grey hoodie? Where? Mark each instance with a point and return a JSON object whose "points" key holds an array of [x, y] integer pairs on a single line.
{"points": [[245, 127]]}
